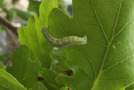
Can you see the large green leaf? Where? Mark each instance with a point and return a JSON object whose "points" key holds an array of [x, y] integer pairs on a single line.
{"points": [[23, 69], [31, 35], [106, 61], [8, 82]]}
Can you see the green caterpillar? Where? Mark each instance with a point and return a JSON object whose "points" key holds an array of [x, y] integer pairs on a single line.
{"points": [[65, 41]]}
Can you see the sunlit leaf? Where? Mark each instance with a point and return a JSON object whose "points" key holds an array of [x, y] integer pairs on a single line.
{"points": [[31, 35], [8, 82]]}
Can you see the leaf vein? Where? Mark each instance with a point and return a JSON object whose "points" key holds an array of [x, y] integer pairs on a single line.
{"points": [[59, 25], [128, 58], [99, 21], [108, 47], [79, 22], [117, 34], [117, 20], [89, 59]]}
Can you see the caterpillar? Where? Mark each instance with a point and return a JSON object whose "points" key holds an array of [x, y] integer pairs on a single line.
{"points": [[65, 41]]}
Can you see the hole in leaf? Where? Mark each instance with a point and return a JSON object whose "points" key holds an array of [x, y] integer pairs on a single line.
{"points": [[68, 73]]}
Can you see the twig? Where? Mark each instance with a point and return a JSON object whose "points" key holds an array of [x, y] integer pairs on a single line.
{"points": [[12, 38], [7, 24]]}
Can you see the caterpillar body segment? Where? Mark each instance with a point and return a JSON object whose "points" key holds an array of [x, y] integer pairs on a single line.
{"points": [[65, 41]]}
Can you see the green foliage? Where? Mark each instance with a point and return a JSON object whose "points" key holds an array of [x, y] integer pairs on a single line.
{"points": [[34, 6], [10, 14], [8, 82], [22, 14], [50, 79], [131, 87], [58, 61], [104, 63], [31, 35], [38, 86], [23, 68]]}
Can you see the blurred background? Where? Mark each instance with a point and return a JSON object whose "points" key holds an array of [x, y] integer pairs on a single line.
{"points": [[13, 14]]}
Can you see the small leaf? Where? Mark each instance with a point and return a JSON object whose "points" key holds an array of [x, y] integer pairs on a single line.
{"points": [[23, 14], [23, 68], [38, 86], [8, 82], [10, 14], [58, 61], [49, 78]]}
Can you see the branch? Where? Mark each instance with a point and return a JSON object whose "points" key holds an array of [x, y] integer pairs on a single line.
{"points": [[15, 44], [7, 24]]}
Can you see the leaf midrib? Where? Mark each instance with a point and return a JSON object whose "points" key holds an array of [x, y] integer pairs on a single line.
{"points": [[109, 42]]}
